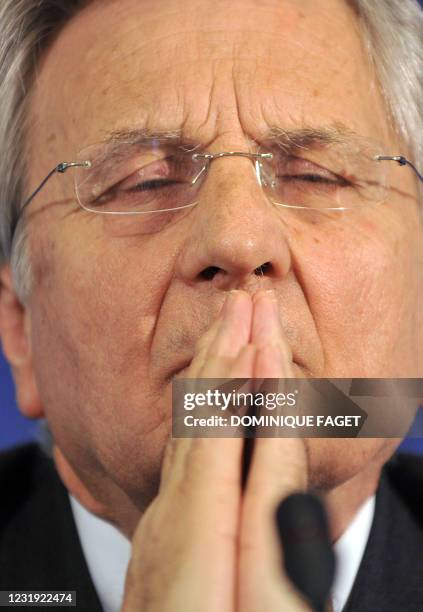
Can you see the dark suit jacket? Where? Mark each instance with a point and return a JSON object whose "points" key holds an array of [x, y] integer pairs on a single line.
{"points": [[40, 549], [39, 544]]}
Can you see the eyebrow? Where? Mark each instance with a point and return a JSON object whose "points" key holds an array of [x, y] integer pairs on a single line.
{"points": [[307, 137], [285, 138], [145, 135]]}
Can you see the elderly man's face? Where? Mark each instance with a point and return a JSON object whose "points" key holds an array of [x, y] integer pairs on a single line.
{"points": [[115, 315]]}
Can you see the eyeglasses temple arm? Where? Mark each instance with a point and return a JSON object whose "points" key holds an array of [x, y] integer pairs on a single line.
{"points": [[402, 161], [61, 168]]}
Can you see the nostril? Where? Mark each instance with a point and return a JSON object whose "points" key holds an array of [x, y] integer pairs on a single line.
{"points": [[209, 273], [261, 270]]}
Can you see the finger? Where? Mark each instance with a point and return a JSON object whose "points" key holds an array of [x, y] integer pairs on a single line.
{"points": [[186, 540], [266, 328], [232, 336], [274, 355], [278, 468], [223, 352], [230, 324], [197, 466], [273, 362], [263, 326], [243, 366], [235, 328]]}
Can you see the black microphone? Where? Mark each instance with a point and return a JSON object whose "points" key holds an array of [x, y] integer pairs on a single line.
{"points": [[309, 559]]}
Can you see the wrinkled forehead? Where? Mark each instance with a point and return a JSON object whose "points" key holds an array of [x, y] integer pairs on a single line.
{"points": [[211, 69]]}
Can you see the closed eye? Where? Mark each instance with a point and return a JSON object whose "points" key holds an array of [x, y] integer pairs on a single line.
{"points": [[317, 178], [152, 184], [296, 169]]}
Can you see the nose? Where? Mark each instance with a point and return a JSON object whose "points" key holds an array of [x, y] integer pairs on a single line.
{"points": [[235, 238]]}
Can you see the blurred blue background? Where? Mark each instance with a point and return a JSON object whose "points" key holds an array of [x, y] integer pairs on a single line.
{"points": [[13, 427]]}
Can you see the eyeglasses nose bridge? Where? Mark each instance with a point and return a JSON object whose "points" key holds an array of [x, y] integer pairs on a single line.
{"points": [[256, 157]]}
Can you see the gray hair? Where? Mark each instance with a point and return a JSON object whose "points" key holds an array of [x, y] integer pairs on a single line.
{"points": [[392, 32]]}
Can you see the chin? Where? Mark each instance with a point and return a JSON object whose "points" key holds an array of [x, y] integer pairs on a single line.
{"points": [[334, 461]]}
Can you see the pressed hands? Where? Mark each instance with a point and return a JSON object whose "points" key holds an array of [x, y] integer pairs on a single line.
{"points": [[206, 543]]}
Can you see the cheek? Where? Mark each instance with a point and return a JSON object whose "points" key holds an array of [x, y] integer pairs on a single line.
{"points": [[92, 332], [104, 298], [359, 281], [334, 461]]}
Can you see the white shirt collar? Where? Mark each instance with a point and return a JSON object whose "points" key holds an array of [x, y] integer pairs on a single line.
{"points": [[349, 550], [107, 553]]}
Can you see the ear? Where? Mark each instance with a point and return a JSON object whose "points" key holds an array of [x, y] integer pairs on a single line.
{"points": [[16, 344]]}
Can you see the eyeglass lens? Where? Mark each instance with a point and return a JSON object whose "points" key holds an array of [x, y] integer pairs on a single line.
{"points": [[130, 178]]}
